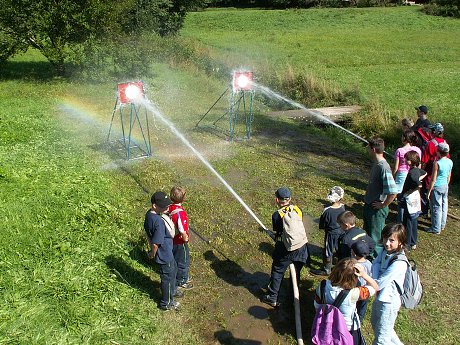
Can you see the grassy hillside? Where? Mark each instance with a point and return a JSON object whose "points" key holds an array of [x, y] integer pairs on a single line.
{"points": [[399, 57]]}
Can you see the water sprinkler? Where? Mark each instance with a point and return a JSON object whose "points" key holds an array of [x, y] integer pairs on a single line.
{"points": [[242, 81], [131, 92]]}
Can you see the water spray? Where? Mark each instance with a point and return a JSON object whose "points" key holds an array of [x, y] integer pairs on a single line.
{"points": [[158, 113], [270, 93]]}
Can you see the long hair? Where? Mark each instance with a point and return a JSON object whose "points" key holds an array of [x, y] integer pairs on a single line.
{"points": [[343, 274]]}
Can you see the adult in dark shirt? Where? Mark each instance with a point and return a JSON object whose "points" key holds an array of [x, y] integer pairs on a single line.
{"points": [[422, 121]]}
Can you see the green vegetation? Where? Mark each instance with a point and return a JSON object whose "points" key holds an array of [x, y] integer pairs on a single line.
{"points": [[73, 267]]}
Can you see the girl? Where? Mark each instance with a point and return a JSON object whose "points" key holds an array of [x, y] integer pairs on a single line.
{"points": [[439, 189], [401, 167], [345, 275], [387, 303]]}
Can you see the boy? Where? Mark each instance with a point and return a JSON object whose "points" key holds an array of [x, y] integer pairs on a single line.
{"points": [[381, 191], [181, 250], [410, 203], [282, 255], [439, 189], [328, 222], [360, 250], [351, 235], [161, 245], [422, 121]]}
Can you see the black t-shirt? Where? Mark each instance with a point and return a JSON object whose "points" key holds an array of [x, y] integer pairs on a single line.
{"points": [[413, 179], [328, 220], [420, 123]]}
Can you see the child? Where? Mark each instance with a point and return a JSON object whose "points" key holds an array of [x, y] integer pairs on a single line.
{"points": [[161, 245], [439, 189], [345, 276], [360, 250], [401, 168], [351, 234], [181, 250], [282, 257], [388, 301], [409, 205], [328, 222]]}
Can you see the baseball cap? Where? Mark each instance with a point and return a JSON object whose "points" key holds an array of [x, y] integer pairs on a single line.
{"points": [[161, 199], [335, 194], [283, 193], [360, 248], [437, 127], [443, 147], [422, 108]]}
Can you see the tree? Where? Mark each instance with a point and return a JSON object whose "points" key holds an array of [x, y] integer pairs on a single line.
{"points": [[58, 27]]}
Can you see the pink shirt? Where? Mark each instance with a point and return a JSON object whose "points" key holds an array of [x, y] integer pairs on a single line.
{"points": [[400, 153]]}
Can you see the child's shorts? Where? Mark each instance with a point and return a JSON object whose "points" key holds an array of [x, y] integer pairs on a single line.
{"points": [[331, 243]]}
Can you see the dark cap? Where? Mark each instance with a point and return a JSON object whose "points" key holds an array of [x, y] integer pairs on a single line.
{"points": [[161, 199], [422, 108], [283, 193], [360, 248]]}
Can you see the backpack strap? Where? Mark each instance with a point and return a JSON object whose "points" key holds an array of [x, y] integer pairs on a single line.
{"points": [[338, 300], [398, 257]]}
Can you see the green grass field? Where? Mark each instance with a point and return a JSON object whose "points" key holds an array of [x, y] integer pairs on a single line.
{"points": [[73, 268]]}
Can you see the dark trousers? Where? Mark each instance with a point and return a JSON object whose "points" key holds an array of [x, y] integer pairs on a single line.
{"points": [[168, 282], [410, 222], [424, 199], [281, 261], [182, 256]]}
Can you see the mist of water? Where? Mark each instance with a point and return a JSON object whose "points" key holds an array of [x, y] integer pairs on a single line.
{"points": [[151, 107], [272, 94]]}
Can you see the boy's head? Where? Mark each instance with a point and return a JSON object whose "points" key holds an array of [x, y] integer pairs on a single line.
{"points": [[283, 196], [376, 145], [422, 111], [443, 149], [437, 129], [335, 194], [177, 194], [360, 249], [346, 220], [160, 201], [412, 158]]}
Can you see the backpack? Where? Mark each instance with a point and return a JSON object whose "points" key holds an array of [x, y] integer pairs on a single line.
{"points": [[329, 326], [412, 291], [169, 224], [294, 235]]}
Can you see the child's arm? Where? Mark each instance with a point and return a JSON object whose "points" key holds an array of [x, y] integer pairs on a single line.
{"points": [[361, 272], [181, 229], [395, 169], [153, 250]]}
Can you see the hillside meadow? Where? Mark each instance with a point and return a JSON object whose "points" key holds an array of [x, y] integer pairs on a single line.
{"points": [[73, 268]]}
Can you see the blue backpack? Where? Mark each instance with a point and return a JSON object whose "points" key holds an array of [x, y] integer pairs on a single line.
{"points": [[329, 326]]}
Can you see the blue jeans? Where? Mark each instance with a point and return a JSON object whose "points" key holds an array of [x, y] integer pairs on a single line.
{"points": [[438, 206], [182, 256], [168, 283], [383, 321]]}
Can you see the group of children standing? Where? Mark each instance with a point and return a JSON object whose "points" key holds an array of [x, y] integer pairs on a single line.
{"points": [[167, 230]]}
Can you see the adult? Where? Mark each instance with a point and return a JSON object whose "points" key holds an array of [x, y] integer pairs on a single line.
{"points": [[422, 121], [429, 155], [381, 191]]}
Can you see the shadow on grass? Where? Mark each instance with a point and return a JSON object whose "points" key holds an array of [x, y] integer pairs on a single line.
{"points": [[38, 71], [234, 274], [226, 338], [132, 277]]}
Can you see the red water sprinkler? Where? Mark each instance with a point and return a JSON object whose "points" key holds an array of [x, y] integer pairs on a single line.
{"points": [[242, 81], [131, 92]]}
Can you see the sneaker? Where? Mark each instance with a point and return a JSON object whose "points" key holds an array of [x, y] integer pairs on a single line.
{"points": [[431, 231], [413, 247], [321, 272], [189, 279], [172, 306], [266, 299], [186, 286], [178, 294]]}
